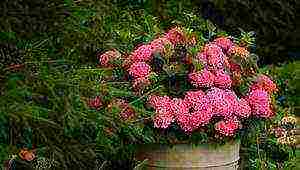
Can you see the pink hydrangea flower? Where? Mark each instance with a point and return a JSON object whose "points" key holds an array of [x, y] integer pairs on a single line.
{"points": [[106, 58], [201, 112], [164, 109], [142, 54], [260, 103], [244, 109], [192, 97], [215, 56], [223, 102], [233, 101], [223, 42], [202, 58], [216, 97], [158, 102], [182, 115], [139, 70], [265, 83], [180, 106], [163, 119], [199, 108], [222, 79], [158, 45], [191, 113], [202, 78], [175, 36], [227, 128]]}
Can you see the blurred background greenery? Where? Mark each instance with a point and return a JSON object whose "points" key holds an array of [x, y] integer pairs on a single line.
{"points": [[49, 47]]}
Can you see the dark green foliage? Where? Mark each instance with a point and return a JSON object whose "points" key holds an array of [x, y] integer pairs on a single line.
{"points": [[26, 19], [287, 78]]}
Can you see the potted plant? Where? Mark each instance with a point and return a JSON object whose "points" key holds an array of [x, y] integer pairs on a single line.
{"points": [[186, 99]]}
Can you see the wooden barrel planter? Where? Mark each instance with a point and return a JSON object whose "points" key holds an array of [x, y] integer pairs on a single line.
{"points": [[185, 156]]}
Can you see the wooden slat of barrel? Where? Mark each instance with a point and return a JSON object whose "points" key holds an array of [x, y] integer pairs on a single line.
{"points": [[184, 156]]}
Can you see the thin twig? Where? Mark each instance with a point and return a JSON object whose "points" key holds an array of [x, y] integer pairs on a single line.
{"points": [[102, 166], [38, 44], [142, 119]]}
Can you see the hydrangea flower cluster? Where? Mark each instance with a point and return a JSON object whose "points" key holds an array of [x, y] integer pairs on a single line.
{"points": [[139, 70], [175, 35], [260, 103], [224, 102], [106, 59], [159, 44], [227, 128], [263, 82], [259, 96], [143, 55], [243, 109], [224, 43], [222, 79], [189, 113], [164, 111], [213, 97], [214, 58], [200, 111], [198, 108], [203, 78]]}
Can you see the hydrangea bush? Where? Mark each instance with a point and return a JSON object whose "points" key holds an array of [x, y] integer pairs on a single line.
{"points": [[189, 87]]}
